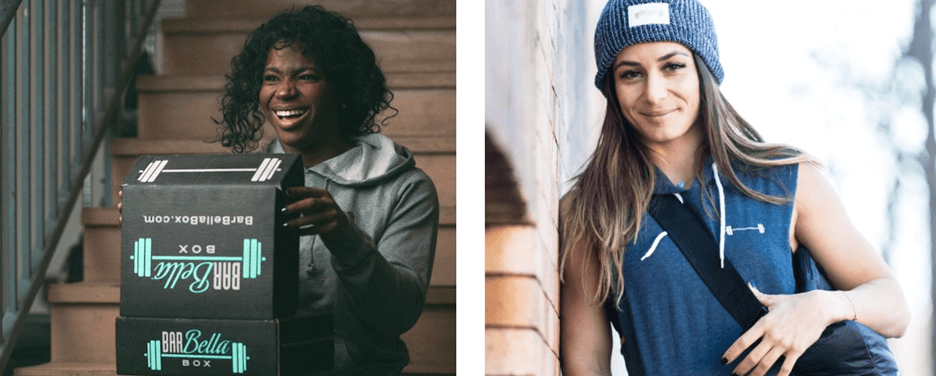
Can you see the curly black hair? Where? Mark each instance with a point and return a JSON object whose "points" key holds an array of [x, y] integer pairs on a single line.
{"points": [[333, 43]]}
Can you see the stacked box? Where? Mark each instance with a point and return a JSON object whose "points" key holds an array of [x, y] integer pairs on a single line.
{"points": [[288, 346], [207, 266]]}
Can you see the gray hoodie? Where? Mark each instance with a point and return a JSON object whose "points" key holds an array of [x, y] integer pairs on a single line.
{"points": [[374, 278]]}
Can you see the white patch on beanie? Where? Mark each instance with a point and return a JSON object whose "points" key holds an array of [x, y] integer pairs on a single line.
{"points": [[648, 14]]}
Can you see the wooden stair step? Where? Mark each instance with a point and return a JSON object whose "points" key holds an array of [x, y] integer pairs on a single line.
{"points": [[215, 83], [349, 8], [397, 51], [69, 369], [431, 342], [101, 245], [82, 322], [443, 267], [177, 107], [244, 25]]}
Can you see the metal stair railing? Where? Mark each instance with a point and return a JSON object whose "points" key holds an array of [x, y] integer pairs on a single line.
{"points": [[64, 67]]}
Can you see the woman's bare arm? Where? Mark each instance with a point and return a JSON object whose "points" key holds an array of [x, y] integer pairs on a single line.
{"points": [[867, 288], [850, 261], [585, 334]]}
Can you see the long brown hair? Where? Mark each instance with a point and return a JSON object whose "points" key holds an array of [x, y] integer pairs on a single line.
{"points": [[611, 195]]}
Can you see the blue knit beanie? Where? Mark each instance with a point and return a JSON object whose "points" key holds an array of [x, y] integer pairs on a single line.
{"points": [[627, 22]]}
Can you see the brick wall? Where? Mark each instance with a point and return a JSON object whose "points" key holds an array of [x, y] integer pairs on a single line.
{"points": [[541, 114]]}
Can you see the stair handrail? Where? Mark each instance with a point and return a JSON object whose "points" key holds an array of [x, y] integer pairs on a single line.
{"points": [[7, 12], [109, 43]]}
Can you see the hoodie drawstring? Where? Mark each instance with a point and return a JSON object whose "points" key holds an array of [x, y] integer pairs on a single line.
{"points": [[721, 215]]}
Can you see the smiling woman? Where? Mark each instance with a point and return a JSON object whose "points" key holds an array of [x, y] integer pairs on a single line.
{"points": [[658, 91], [669, 134], [322, 40], [298, 102], [367, 216]]}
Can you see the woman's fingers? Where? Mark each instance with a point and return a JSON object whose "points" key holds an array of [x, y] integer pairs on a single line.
{"points": [[761, 366], [792, 325], [788, 364], [745, 341], [765, 299], [303, 192], [317, 216], [318, 210], [753, 359], [308, 199], [120, 208]]}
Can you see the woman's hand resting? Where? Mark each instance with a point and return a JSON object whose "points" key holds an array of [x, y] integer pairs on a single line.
{"points": [[319, 210], [793, 323]]}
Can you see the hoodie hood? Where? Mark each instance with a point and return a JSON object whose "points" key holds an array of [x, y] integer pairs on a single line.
{"points": [[374, 159], [663, 186]]}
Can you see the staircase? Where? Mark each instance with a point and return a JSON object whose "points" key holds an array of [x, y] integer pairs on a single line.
{"points": [[415, 45]]}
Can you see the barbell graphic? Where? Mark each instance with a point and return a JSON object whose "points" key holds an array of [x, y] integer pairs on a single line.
{"points": [[264, 172], [238, 357], [143, 258]]}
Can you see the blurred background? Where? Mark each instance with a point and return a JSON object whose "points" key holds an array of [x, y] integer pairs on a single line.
{"points": [[851, 82]]}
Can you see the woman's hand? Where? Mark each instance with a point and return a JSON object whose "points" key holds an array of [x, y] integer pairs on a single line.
{"points": [[793, 324], [317, 209], [120, 207]]}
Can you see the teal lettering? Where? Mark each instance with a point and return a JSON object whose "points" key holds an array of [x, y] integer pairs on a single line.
{"points": [[201, 346], [172, 272], [223, 347], [201, 282], [191, 339], [214, 345], [217, 346]]}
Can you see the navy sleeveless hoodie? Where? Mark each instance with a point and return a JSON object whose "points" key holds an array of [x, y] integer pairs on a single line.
{"points": [[672, 323]]}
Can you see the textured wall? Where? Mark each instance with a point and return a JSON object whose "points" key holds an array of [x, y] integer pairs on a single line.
{"points": [[540, 115]]}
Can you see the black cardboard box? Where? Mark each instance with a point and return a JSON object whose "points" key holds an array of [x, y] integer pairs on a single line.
{"points": [[202, 237], [286, 346]]}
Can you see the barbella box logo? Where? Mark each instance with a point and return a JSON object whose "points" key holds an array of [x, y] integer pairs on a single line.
{"points": [[225, 271], [261, 174], [648, 14], [194, 351]]}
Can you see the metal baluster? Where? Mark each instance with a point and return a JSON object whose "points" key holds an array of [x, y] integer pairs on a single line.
{"points": [[24, 193], [76, 97], [56, 94], [53, 105], [38, 154], [87, 29], [8, 200]]}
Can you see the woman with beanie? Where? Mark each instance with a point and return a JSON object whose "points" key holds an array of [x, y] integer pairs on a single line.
{"points": [[668, 131]]}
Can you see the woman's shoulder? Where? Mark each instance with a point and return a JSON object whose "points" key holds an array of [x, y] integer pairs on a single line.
{"points": [[414, 184], [814, 186], [783, 176]]}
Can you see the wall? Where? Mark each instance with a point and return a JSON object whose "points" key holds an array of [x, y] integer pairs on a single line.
{"points": [[541, 114]]}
